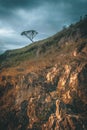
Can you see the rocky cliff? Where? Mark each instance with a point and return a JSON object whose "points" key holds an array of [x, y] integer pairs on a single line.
{"points": [[44, 86]]}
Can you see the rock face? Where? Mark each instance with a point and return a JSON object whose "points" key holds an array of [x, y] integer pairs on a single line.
{"points": [[50, 93]]}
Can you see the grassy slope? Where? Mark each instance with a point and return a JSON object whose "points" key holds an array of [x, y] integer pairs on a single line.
{"points": [[46, 47]]}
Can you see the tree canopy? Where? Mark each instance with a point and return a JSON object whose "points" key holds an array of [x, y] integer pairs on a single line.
{"points": [[30, 34]]}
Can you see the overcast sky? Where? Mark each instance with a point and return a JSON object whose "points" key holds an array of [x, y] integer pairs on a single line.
{"points": [[47, 17]]}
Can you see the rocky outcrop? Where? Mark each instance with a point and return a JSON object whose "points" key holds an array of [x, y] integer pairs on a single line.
{"points": [[46, 101], [71, 105]]}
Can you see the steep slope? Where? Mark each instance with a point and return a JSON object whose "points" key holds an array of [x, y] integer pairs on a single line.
{"points": [[70, 34], [44, 85]]}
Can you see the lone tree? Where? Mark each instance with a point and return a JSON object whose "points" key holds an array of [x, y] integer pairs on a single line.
{"points": [[30, 34]]}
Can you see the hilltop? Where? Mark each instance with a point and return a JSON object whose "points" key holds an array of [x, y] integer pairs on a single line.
{"points": [[57, 43], [43, 86]]}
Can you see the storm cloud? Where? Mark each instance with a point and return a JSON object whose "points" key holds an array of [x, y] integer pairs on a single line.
{"points": [[45, 16]]}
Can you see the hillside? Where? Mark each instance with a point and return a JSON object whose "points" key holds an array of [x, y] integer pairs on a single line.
{"points": [[43, 86], [47, 46]]}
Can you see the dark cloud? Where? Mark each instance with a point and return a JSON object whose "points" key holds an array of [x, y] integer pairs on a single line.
{"points": [[19, 3], [45, 16], [25, 3], [35, 3], [69, 7]]}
